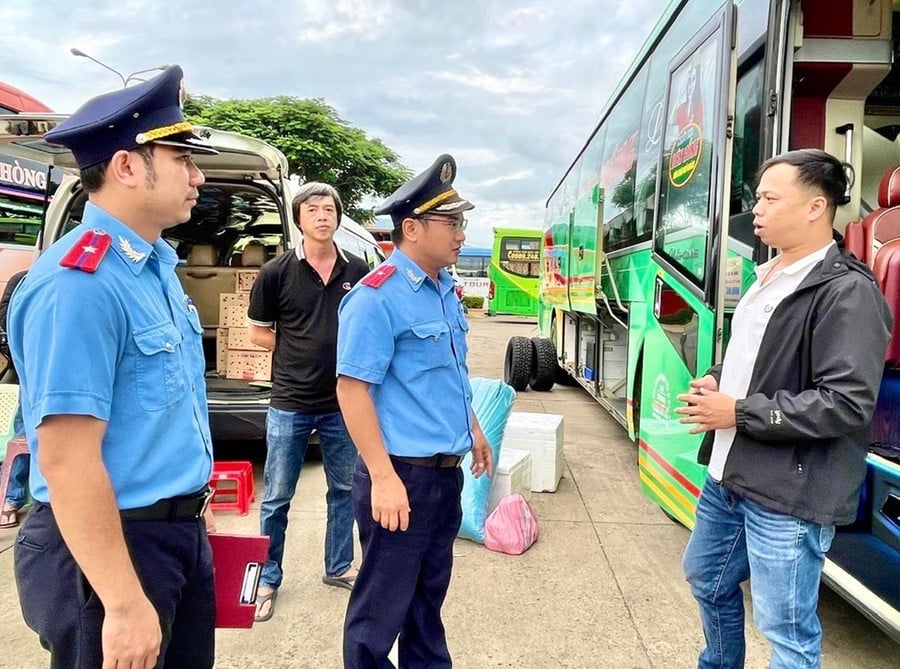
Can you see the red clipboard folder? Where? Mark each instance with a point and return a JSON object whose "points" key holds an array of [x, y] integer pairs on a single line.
{"points": [[237, 563]]}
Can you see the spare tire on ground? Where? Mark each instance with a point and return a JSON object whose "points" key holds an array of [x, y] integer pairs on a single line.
{"points": [[543, 367], [517, 364]]}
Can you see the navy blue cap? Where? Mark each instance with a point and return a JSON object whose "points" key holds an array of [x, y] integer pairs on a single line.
{"points": [[429, 192], [128, 118]]}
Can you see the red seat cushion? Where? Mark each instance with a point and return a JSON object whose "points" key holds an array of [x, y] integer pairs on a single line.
{"points": [[887, 273], [854, 240]]}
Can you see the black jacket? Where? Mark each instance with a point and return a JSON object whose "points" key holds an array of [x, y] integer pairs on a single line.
{"points": [[803, 429]]}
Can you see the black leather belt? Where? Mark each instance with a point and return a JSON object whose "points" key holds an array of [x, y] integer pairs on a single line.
{"points": [[439, 460], [184, 507]]}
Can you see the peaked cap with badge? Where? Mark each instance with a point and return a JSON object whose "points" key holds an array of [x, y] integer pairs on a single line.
{"points": [[129, 118], [429, 192]]}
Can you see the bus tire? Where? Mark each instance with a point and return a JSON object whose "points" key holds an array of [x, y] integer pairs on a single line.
{"points": [[517, 365], [543, 366]]}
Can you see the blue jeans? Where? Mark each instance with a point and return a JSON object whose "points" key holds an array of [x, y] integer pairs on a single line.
{"points": [[16, 494], [287, 436], [735, 539]]}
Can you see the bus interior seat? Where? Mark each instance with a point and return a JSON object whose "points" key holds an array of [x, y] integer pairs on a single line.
{"points": [[887, 273], [880, 225], [854, 239], [885, 438]]}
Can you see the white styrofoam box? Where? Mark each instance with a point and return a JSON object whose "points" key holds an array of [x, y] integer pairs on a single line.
{"points": [[541, 434], [513, 475]]}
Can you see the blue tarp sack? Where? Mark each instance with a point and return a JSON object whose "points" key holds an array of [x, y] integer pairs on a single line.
{"points": [[492, 402]]}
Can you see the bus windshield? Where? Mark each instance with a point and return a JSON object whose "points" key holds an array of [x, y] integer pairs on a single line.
{"points": [[514, 272]]}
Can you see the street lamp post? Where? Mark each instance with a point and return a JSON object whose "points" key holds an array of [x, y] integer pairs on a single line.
{"points": [[125, 79]]}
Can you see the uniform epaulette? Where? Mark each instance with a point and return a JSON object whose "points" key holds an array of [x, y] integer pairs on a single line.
{"points": [[379, 276], [88, 251]]}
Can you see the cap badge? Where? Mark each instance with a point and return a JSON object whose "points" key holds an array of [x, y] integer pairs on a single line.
{"points": [[129, 251], [412, 276], [446, 172]]}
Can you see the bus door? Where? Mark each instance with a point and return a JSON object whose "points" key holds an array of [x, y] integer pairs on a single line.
{"points": [[689, 246]]}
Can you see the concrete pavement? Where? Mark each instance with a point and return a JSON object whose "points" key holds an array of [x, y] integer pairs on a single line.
{"points": [[602, 588]]}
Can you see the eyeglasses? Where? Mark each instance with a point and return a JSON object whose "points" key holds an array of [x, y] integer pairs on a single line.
{"points": [[452, 223]]}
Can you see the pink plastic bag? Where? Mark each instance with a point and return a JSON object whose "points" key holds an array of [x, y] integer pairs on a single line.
{"points": [[512, 527]]}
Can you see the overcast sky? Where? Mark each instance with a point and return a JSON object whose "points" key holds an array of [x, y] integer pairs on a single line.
{"points": [[511, 88]]}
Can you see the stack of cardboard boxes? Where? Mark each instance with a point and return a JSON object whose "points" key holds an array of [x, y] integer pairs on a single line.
{"points": [[236, 356]]}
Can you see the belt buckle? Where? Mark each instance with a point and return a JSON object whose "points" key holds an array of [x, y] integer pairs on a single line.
{"points": [[207, 499]]}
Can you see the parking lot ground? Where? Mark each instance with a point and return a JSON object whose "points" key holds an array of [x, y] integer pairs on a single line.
{"points": [[602, 588]]}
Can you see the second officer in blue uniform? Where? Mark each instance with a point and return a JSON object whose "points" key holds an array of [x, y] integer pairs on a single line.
{"points": [[113, 564], [403, 388]]}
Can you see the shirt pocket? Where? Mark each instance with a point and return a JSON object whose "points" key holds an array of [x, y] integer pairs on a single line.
{"points": [[433, 348], [159, 368], [460, 335]]}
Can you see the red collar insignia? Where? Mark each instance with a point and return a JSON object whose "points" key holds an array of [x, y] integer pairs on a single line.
{"points": [[87, 252], [379, 276]]}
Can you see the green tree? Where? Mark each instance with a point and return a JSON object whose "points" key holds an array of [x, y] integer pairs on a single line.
{"points": [[318, 143]]}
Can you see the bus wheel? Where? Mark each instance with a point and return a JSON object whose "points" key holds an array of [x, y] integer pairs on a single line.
{"points": [[517, 366], [543, 367]]}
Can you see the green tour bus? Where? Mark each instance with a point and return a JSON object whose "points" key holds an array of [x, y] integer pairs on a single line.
{"points": [[515, 264], [648, 239]]}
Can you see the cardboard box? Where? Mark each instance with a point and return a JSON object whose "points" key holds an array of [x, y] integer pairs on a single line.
{"points": [[513, 475], [249, 365], [222, 351], [239, 340], [245, 279], [233, 309], [541, 434]]}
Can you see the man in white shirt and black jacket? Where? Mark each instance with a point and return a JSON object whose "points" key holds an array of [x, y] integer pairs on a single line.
{"points": [[787, 417]]}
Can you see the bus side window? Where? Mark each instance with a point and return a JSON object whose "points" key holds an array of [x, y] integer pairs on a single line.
{"points": [[746, 151]]}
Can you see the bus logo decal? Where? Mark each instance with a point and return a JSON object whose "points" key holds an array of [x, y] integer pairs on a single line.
{"points": [[685, 158]]}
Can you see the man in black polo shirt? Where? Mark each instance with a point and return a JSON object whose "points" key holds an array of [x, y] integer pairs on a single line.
{"points": [[293, 311]]}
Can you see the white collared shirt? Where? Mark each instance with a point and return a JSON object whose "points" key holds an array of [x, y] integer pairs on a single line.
{"points": [[748, 325]]}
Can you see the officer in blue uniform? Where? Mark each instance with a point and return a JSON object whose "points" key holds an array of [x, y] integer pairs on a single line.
{"points": [[113, 564], [403, 388]]}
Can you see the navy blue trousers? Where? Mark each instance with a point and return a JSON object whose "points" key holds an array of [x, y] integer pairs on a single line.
{"points": [[404, 576], [173, 561]]}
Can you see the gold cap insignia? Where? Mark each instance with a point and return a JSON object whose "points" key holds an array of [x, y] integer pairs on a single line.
{"points": [[446, 172]]}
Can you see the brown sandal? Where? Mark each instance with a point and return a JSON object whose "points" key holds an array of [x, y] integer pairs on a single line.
{"points": [[9, 517], [345, 580], [261, 601]]}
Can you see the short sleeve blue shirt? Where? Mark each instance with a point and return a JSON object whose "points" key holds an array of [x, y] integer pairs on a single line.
{"points": [[407, 338], [123, 345]]}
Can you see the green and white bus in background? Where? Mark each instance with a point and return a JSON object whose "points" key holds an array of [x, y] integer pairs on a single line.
{"points": [[648, 237], [514, 270]]}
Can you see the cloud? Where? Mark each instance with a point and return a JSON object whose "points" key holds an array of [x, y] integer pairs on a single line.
{"points": [[512, 93]]}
